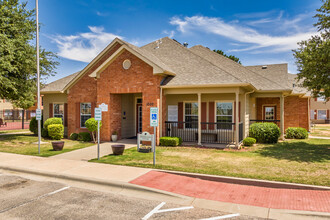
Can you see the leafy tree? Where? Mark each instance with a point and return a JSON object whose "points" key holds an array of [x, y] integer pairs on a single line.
{"points": [[313, 56], [18, 80], [91, 125], [232, 57]]}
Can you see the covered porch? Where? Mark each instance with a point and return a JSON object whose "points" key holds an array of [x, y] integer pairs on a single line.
{"points": [[209, 115], [205, 116]]}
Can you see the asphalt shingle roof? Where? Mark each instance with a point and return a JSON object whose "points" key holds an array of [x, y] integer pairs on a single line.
{"points": [[60, 84]]}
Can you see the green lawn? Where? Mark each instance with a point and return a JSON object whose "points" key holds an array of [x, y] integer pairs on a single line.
{"points": [[14, 131], [23, 144], [321, 130], [298, 161]]}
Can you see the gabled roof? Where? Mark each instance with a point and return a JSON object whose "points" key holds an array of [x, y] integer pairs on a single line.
{"points": [[295, 84], [277, 73], [190, 69], [58, 85], [258, 81]]}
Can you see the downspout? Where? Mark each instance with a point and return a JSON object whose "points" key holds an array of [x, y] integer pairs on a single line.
{"points": [[247, 93], [160, 113], [282, 119], [309, 112]]}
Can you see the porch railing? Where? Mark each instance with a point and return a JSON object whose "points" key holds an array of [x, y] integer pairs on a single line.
{"points": [[212, 132], [277, 122]]}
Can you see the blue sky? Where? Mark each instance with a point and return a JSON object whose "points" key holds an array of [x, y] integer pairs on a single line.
{"points": [[258, 32]]}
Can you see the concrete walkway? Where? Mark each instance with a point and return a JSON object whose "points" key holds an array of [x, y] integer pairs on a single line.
{"points": [[327, 138], [89, 153]]}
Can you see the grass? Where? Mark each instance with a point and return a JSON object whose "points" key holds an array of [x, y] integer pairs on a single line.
{"points": [[298, 161], [13, 131], [23, 144], [321, 130]]}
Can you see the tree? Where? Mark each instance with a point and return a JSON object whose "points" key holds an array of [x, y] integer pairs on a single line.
{"points": [[91, 125], [232, 57], [313, 56], [18, 80]]}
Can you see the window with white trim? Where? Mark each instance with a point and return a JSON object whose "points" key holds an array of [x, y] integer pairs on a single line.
{"points": [[270, 113], [321, 114], [85, 113], [59, 111], [321, 99], [191, 114], [224, 114]]}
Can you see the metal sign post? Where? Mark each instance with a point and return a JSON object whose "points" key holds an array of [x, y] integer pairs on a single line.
{"points": [[98, 118], [38, 73], [154, 123]]}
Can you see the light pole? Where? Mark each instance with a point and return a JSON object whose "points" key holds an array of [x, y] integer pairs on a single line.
{"points": [[38, 74]]}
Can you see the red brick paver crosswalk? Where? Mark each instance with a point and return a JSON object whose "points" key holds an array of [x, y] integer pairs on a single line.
{"points": [[277, 198]]}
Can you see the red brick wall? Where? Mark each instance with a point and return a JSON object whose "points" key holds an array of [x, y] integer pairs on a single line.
{"points": [[268, 102], [295, 110], [115, 80]]}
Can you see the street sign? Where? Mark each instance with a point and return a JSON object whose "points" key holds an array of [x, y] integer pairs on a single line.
{"points": [[98, 114], [38, 114], [154, 117], [104, 107]]}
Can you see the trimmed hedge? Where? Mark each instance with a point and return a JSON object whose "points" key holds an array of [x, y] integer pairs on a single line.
{"points": [[56, 131], [296, 133], [44, 133], [84, 136], [74, 136], [265, 132], [34, 125], [170, 141], [249, 141], [52, 121]]}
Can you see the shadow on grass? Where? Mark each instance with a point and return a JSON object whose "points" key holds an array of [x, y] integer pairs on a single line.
{"points": [[297, 151]]}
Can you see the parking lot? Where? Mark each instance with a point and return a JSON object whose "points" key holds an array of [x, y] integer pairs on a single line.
{"points": [[23, 198]]}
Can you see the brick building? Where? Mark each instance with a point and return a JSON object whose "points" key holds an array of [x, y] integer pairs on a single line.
{"points": [[202, 96]]}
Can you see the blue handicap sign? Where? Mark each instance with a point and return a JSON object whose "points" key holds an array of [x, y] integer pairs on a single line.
{"points": [[154, 116]]}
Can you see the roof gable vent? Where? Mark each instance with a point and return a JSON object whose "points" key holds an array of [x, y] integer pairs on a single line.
{"points": [[264, 67]]}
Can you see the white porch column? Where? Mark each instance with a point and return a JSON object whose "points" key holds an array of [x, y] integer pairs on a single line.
{"points": [[199, 119], [237, 118], [282, 117]]}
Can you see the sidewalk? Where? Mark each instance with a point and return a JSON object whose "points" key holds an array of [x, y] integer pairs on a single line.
{"points": [[245, 199], [88, 153]]}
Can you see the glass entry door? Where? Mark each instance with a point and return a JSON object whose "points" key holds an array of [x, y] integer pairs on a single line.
{"points": [[138, 118]]}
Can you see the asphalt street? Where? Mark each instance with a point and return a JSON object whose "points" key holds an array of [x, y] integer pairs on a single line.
{"points": [[22, 198]]}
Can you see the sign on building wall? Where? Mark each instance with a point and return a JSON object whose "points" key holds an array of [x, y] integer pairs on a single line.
{"points": [[172, 111], [104, 107]]}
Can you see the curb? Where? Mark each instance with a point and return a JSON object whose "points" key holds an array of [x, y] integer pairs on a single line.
{"points": [[112, 183]]}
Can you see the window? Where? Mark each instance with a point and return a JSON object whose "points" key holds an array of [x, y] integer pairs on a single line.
{"points": [[191, 115], [85, 113], [321, 99], [311, 114], [269, 113], [59, 111], [321, 114], [224, 114]]}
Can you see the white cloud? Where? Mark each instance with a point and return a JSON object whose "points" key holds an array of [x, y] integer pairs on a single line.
{"points": [[239, 33], [170, 34], [83, 46]]}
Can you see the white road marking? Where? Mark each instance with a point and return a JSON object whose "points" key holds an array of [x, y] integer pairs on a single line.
{"points": [[221, 217], [32, 200], [156, 210]]}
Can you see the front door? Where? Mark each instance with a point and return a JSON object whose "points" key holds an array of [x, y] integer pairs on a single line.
{"points": [[138, 118]]}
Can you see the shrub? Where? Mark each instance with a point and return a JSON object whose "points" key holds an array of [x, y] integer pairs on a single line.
{"points": [[56, 131], [74, 136], [296, 133], [249, 141], [91, 125], [44, 133], [84, 136], [265, 132], [52, 121], [170, 141], [33, 125]]}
